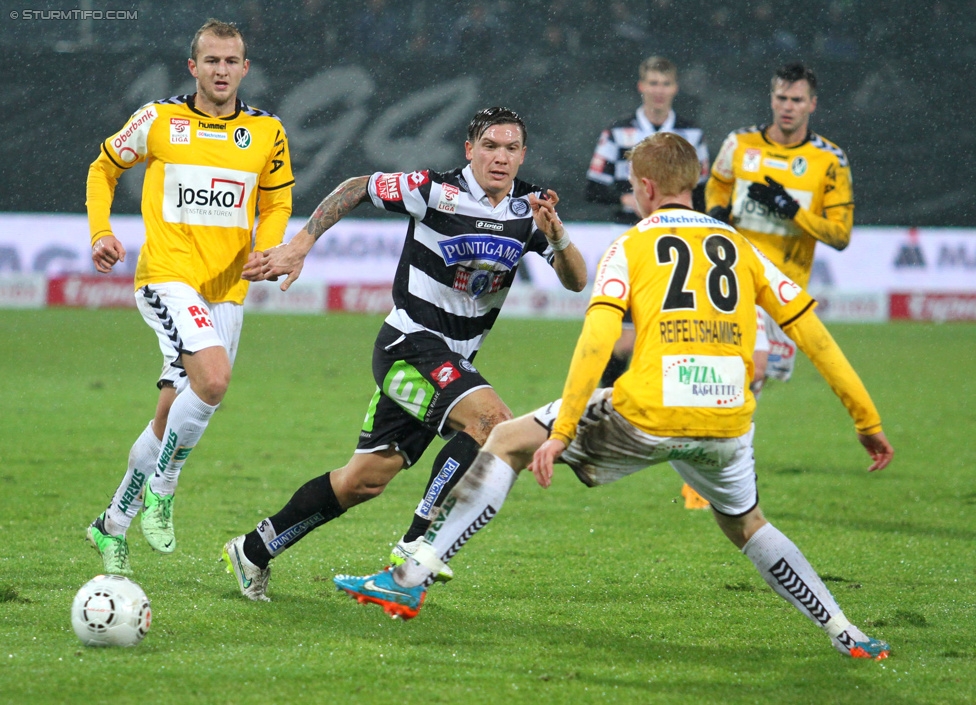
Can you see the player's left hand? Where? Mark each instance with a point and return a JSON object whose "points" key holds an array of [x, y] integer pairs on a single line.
{"points": [[775, 197], [544, 459], [878, 448], [252, 268], [544, 213]]}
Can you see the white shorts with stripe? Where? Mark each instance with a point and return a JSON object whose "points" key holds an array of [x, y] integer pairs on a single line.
{"points": [[185, 322], [607, 447], [770, 338]]}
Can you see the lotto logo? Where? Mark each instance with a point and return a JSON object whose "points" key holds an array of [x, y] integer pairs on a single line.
{"points": [[445, 374], [416, 179]]}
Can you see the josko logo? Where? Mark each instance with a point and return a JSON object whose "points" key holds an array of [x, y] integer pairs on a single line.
{"points": [[242, 138], [197, 195]]}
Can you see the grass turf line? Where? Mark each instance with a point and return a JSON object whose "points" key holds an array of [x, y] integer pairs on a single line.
{"points": [[614, 594]]}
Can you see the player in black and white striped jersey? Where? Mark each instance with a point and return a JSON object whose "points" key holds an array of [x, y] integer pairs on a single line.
{"points": [[468, 232], [608, 182]]}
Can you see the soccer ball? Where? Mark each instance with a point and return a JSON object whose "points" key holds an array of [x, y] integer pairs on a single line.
{"points": [[110, 610]]}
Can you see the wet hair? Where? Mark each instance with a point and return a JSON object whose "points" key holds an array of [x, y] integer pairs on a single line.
{"points": [[667, 159], [223, 30], [483, 119], [658, 64], [791, 73]]}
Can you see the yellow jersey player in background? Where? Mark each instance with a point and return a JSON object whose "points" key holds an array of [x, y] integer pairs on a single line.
{"points": [[692, 284], [211, 161], [785, 188]]}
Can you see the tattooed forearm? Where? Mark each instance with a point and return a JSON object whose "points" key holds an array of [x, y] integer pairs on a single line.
{"points": [[334, 207]]}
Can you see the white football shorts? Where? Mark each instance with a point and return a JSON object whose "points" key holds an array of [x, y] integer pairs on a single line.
{"points": [[185, 322], [607, 447], [782, 350]]}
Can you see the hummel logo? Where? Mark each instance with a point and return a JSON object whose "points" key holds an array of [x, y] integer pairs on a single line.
{"points": [[245, 581]]}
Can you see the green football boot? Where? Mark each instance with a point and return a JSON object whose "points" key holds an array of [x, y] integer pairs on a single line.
{"points": [[157, 521], [114, 550]]}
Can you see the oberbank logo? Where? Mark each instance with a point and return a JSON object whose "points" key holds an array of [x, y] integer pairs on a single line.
{"points": [[481, 248], [198, 195]]}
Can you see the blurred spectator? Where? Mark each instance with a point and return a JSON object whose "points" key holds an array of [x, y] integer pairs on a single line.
{"points": [[770, 40], [720, 37], [837, 38], [379, 29], [478, 34]]}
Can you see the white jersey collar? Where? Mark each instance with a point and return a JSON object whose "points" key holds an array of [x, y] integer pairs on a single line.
{"points": [[648, 127], [478, 193]]}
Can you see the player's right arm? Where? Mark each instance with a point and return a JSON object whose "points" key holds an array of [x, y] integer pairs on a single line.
{"points": [[601, 328], [289, 259], [118, 153], [103, 176], [718, 188]]}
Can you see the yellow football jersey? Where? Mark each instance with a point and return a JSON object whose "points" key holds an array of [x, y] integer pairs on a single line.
{"points": [[205, 178], [816, 173], [692, 284]]}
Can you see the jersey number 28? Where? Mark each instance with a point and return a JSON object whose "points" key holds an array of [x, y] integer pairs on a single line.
{"points": [[720, 283]]}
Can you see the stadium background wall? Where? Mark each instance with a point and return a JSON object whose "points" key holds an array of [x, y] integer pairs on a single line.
{"points": [[393, 90]]}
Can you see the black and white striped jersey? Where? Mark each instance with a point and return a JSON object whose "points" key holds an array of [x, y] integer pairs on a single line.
{"points": [[460, 255], [607, 178]]}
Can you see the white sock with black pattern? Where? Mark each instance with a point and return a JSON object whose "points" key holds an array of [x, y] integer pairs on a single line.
{"points": [[788, 572], [472, 503]]}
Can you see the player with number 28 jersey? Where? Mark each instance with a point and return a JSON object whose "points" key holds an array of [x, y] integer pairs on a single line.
{"points": [[693, 358]]}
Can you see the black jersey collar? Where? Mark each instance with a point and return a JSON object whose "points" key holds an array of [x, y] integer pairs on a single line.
{"points": [[764, 128], [238, 105]]}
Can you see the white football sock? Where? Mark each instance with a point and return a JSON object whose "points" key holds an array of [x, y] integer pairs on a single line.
{"points": [[128, 497], [785, 569], [188, 419], [472, 503]]}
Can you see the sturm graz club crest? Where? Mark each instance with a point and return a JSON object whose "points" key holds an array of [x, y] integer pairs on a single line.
{"points": [[519, 207], [242, 137], [480, 283]]}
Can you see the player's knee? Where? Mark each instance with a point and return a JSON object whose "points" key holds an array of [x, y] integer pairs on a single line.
{"points": [[502, 437], [486, 422], [213, 385], [365, 491]]}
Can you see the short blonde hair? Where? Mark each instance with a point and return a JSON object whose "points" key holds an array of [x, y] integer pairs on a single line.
{"points": [[657, 64], [221, 30], [668, 160]]}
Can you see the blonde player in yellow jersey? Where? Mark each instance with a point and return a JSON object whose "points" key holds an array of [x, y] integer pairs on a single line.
{"points": [[785, 188], [692, 283], [211, 161]]}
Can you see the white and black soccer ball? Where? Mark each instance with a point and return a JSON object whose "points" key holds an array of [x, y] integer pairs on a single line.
{"points": [[110, 610]]}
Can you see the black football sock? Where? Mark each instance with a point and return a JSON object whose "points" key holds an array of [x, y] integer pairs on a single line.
{"points": [[311, 506], [449, 466]]}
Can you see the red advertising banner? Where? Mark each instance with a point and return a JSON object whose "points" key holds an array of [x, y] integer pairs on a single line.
{"points": [[933, 307], [360, 298], [85, 291]]}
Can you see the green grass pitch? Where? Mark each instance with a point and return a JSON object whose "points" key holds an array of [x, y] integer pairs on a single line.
{"points": [[571, 595]]}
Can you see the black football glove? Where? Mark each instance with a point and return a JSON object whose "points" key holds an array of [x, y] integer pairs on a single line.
{"points": [[775, 198], [720, 213]]}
